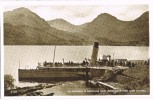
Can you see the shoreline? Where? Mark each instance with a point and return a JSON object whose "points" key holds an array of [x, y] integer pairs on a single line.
{"points": [[29, 90]]}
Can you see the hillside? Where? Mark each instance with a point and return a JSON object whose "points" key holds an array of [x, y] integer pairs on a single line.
{"points": [[27, 28], [65, 26], [108, 30], [23, 16], [128, 32], [24, 27]]}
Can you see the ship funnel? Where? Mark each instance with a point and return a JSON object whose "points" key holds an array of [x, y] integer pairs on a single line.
{"points": [[94, 54]]}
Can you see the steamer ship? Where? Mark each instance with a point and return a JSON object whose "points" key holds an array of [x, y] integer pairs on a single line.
{"points": [[49, 72]]}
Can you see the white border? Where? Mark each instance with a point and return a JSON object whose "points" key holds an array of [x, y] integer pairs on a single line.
{"points": [[1, 41], [79, 2]]}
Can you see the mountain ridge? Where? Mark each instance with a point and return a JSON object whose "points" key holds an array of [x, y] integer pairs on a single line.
{"points": [[105, 28]]}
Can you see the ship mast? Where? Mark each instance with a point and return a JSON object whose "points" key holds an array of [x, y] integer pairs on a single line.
{"points": [[54, 56], [19, 64]]}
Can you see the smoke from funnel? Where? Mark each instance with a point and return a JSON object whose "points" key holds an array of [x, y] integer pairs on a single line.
{"points": [[94, 54]]}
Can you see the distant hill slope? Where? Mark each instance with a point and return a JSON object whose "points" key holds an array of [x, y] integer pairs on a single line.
{"points": [[65, 26], [129, 32], [23, 16], [23, 27]]}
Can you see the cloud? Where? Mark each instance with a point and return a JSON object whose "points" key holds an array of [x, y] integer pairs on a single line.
{"points": [[133, 11]]}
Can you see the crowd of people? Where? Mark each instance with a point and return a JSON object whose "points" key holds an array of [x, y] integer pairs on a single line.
{"points": [[101, 63]]}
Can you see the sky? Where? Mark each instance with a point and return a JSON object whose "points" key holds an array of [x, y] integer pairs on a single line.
{"points": [[80, 14]]}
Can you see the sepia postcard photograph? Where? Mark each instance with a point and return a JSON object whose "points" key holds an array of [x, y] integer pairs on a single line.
{"points": [[76, 50]]}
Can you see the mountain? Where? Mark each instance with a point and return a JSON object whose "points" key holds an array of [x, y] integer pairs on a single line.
{"points": [[107, 27], [24, 27], [23, 16], [64, 25]]}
